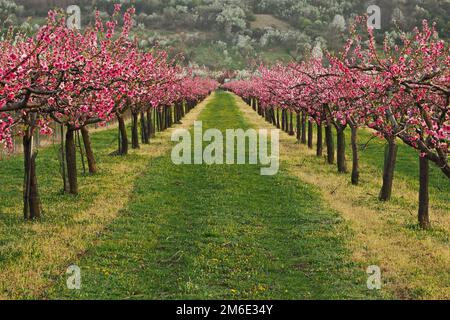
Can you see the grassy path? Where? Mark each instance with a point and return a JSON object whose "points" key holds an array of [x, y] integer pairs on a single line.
{"points": [[201, 232], [34, 254]]}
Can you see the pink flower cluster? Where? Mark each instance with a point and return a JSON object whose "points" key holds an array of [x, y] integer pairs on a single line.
{"points": [[76, 78]]}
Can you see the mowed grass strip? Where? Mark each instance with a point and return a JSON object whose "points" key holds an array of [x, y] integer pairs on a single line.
{"points": [[220, 232], [415, 263], [34, 254]]}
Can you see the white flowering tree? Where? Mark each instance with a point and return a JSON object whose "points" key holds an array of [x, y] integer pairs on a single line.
{"points": [[8, 11], [339, 23], [232, 18]]}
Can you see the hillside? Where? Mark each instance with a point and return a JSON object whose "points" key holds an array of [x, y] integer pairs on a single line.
{"points": [[237, 33]]}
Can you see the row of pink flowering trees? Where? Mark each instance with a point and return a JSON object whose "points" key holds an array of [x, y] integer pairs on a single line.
{"points": [[400, 92], [79, 78]]}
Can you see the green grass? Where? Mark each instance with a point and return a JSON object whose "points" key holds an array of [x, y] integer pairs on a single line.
{"points": [[30, 246], [50, 181], [57, 207], [195, 232], [209, 232]]}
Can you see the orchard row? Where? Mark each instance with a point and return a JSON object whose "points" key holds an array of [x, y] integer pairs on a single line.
{"points": [[78, 78], [400, 91]]}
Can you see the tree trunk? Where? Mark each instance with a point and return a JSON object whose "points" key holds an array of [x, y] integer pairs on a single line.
{"points": [[278, 118], [177, 113], [169, 117], [341, 161], [355, 153], [123, 145], [135, 132], [83, 163], [299, 128], [162, 120], [31, 208], [286, 122], [63, 162], [390, 158], [71, 160], [424, 217], [145, 133], [150, 130], [319, 140], [168, 113], [158, 120], [304, 127], [143, 125], [330, 143], [291, 126], [310, 134], [165, 118], [89, 152]]}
